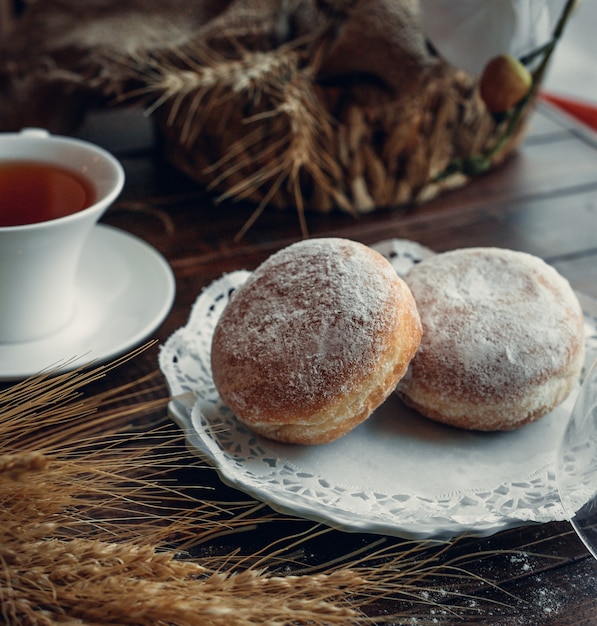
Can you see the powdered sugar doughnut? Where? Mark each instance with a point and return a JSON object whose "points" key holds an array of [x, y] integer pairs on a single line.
{"points": [[503, 339], [314, 341]]}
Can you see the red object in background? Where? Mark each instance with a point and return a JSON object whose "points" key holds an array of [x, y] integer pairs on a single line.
{"points": [[586, 113]]}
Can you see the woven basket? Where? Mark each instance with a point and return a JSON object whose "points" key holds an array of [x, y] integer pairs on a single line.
{"points": [[288, 138], [310, 104]]}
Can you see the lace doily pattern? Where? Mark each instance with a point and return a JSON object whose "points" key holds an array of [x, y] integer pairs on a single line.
{"points": [[402, 253], [185, 358], [589, 307], [577, 460], [396, 474]]}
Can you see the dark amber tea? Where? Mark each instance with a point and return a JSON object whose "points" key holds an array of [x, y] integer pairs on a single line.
{"points": [[32, 192]]}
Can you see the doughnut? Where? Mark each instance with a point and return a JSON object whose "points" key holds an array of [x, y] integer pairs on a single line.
{"points": [[314, 341], [503, 339]]}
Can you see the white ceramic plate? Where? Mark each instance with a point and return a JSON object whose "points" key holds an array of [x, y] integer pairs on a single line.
{"points": [[396, 474], [125, 290]]}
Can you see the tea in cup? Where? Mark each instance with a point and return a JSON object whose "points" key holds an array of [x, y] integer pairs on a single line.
{"points": [[33, 192], [53, 191]]}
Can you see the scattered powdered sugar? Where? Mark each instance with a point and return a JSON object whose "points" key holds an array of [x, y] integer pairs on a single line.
{"points": [[521, 559], [312, 319]]}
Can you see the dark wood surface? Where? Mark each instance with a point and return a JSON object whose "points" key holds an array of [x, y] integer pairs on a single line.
{"points": [[543, 201]]}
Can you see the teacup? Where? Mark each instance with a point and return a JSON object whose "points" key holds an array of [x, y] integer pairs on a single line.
{"points": [[41, 239]]}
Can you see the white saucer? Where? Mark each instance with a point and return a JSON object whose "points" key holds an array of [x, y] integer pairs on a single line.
{"points": [[125, 290]]}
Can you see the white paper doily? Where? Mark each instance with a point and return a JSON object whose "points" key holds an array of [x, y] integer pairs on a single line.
{"points": [[397, 473]]}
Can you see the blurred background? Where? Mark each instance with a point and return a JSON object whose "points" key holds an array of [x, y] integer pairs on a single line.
{"points": [[573, 71], [572, 77]]}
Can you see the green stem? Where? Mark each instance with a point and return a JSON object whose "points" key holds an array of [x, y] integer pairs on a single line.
{"points": [[479, 163]]}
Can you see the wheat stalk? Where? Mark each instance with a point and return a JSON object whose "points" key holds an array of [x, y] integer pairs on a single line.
{"points": [[287, 138], [85, 521], [93, 530]]}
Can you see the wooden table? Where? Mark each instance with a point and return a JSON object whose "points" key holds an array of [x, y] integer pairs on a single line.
{"points": [[543, 201]]}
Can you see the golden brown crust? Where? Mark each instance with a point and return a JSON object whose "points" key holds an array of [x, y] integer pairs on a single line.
{"points": [[503, 339], [315, 340]]}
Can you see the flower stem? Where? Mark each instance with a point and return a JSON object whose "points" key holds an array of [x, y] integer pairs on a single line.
{"points": [[476, 164]]}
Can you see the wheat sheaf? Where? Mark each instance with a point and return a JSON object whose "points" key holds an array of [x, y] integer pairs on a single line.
{"points": [[96, 529]]}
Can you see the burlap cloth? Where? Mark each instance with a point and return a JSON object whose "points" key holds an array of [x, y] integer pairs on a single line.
{"points": [[312, 104]]}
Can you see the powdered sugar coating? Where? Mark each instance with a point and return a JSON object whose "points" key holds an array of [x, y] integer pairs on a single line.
{"points": [[498, 327], [313, 320]]}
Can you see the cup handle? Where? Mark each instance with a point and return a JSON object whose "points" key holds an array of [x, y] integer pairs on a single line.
{"points": [[35, 132]]}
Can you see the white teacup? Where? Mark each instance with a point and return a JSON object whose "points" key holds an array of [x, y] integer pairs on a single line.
{"points": [[39, 260]]}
